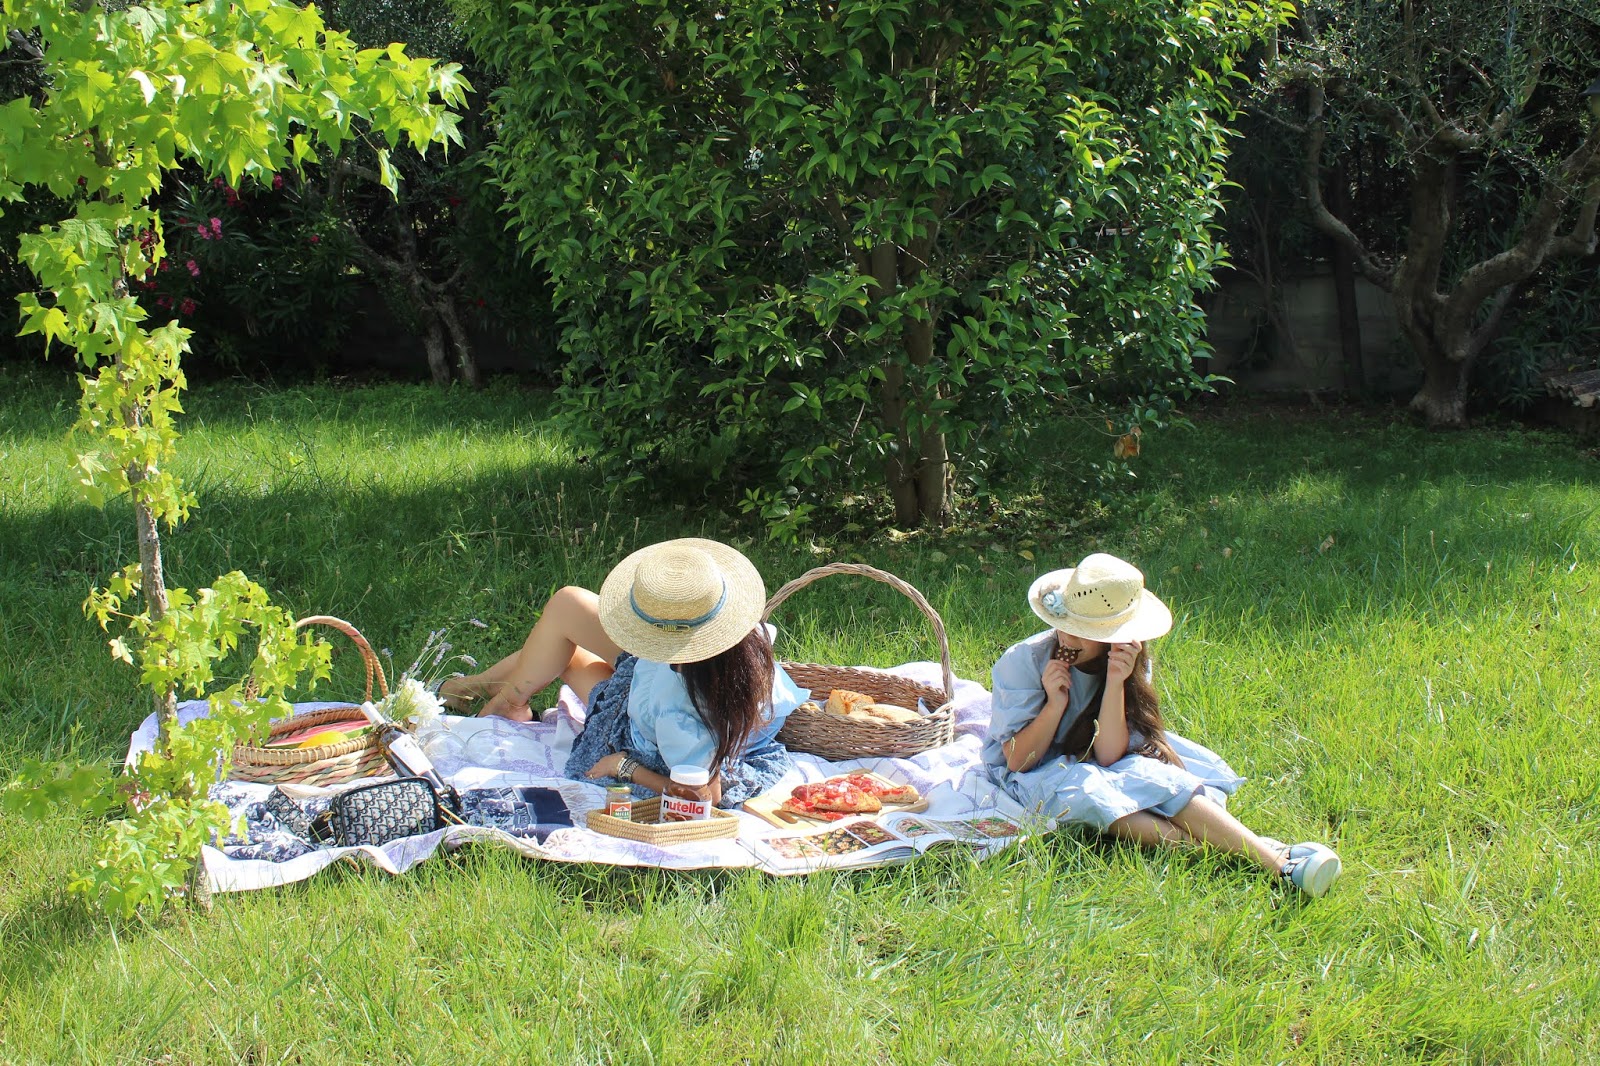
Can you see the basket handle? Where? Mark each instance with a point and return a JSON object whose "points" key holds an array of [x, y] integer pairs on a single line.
{"points": [[905, 588], [369, 658]]}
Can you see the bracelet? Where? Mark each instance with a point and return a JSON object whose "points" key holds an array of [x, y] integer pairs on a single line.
{"points": [[626, 767]]}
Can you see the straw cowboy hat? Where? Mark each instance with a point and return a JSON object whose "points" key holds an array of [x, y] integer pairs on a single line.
{"points": [[682, 601], [1103, 599]]}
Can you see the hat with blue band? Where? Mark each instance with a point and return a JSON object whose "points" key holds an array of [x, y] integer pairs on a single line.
{"points": [[682, 600]]}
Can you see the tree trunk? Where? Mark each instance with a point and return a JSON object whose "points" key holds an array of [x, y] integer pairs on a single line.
{"points": [[153, 585], [1344, 288], [152, 577], [1442, 399], [933, 458], [900, 465], [917, 471], [433, 339], [466, 364]]}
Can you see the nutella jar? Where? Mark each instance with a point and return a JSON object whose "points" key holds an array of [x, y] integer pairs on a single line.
{"points": [[681, 802]]}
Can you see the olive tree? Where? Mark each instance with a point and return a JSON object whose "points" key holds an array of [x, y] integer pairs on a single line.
{"points": [[802, 240], [1458, 93]]}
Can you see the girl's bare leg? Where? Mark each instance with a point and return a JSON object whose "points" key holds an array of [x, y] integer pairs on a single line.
{"points": [[569, 625], [1207, 823], [1148, 829]]}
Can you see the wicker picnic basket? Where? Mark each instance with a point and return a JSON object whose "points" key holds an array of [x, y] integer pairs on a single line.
{"points": [[834, 736], [324, 764]]}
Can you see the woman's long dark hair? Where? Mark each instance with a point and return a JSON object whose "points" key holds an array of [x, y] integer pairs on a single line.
{"points": [[729, 692], [1141, 710]]}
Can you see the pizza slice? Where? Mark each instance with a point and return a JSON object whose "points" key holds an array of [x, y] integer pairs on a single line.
{"points": [[886, 791], [836, 796]]}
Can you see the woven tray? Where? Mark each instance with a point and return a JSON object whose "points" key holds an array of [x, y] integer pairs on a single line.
{"points": [[834, 736], [325, 764], [646, 829]]}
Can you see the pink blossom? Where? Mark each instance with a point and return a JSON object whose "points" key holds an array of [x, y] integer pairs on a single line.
{"points": [[218, 183], [277, 181], [205, 234], [187, 307], [163, 265], [163, 301], [194, 268], [314, 238], [216, 226]]}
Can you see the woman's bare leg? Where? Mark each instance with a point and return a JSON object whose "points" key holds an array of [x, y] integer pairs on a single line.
{"points": [[569, 624], [1207, 823], [1148, 829]]}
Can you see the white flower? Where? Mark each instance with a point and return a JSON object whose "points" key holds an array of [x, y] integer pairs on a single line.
{"points": [[410, 701]]}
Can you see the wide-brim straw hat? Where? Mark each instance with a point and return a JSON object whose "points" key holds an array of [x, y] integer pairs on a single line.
{"points": [[1103, 598], [682, 601]]}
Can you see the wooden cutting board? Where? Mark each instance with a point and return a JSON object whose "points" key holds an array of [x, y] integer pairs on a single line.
{"points": [[766, 806]]}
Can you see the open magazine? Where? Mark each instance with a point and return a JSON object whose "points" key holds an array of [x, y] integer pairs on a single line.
{"points": [[862, 842]]}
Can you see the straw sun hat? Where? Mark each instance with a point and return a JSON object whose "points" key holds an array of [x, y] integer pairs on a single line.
{"points": [[1103, 599], [681, 601]]}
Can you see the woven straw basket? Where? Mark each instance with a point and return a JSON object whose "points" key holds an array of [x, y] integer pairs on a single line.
{"points": [[836, 737], [325, 764], [646, 828]]}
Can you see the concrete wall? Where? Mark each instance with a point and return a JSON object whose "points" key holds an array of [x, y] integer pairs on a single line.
{"points": [[1248, 352]]}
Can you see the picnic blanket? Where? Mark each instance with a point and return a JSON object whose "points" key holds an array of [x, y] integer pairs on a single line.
{"points": [[951, 777]]}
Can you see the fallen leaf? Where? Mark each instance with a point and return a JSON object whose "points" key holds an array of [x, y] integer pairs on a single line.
{"points": [[1227, 553], [1026, 555], [1127, 445], [1325, 545]]}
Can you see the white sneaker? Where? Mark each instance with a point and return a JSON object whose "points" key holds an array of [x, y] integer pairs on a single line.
{"points": [[1312, 868]]}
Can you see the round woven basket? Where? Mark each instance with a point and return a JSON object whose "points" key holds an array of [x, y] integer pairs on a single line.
{"points": [[324, 764], [834, 736]]}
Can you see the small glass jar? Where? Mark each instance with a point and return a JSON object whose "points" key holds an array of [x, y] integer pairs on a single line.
{"points": [[619, 802], [682, 801]]}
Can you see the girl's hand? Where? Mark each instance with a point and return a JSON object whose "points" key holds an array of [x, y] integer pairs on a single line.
{"points": [[606, 767], [1057, 681], [1119, 662]]}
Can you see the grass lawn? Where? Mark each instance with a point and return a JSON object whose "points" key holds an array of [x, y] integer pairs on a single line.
{"points": [[1391, 633]]}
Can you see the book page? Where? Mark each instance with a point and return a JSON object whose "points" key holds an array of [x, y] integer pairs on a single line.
{"points": [[842, 845]]}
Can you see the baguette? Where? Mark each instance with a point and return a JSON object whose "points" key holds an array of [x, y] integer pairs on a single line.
{"points": [[888, 712]]}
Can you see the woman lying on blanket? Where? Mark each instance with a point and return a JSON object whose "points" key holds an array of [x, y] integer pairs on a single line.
{"points": [[673, 665], [1076, 731]]}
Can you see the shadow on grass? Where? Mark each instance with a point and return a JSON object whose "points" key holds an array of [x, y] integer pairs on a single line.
{"points": [[1287, 527]]}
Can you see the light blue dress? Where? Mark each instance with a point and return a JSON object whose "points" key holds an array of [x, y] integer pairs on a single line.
{"points": [[1086, 792], [663, 725]]}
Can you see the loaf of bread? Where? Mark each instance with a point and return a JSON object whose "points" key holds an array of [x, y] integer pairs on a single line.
{"points": [[842, 701], [888, 712]]}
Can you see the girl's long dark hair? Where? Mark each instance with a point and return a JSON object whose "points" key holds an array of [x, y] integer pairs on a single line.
{"points": [[1141, 710], [729, 692]]}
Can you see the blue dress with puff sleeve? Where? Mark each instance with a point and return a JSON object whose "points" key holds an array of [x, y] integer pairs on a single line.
{"points": [[1068, 790], [644, 709]]}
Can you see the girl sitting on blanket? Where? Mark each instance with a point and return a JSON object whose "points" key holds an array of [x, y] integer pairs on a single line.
{"points": [[1077, 734], [673, 664]]}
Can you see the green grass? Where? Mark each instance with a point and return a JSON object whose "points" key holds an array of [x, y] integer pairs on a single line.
{"points": [[1419, 692]]}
